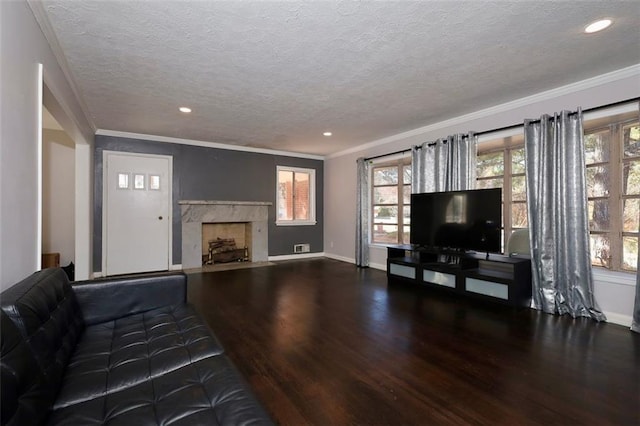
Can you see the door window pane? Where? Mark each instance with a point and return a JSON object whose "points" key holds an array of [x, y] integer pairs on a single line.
{"points": [[631, 178], [489, 183], [406, 194], [406, 175], [596, 147], [385, 233], [519, 215], [517, 161], [154, 182], [598, 181], [123, 181], [386, 214], [631, 140], [138, 181], [598, 211], [285, 195], [385, 176], [385, 195], [600, 250], [491, 164], [301, 195], [406, 215], [631, 215], [518, 188], [630, 253]]}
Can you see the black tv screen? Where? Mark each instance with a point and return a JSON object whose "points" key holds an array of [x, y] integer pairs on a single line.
{"points": [[459, 220]]}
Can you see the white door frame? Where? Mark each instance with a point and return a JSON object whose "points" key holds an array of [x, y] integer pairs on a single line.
{"points": [[105, 180]]}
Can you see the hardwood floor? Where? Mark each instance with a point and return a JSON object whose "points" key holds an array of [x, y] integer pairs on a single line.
{"points": [[325, 343]]}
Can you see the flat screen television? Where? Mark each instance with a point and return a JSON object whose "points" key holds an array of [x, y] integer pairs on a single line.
{"points": [[458, 220]]}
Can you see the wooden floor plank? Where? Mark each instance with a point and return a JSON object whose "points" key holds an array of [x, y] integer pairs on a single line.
{"points": [[325, 343]]}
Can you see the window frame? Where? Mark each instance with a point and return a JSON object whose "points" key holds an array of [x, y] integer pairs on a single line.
{"points": [[399, 163], [312, 196], [506, 146], [614, 124], [616, 234]]}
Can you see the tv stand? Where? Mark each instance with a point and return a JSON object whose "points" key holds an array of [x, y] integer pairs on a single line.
{"points": [[499, 278]]}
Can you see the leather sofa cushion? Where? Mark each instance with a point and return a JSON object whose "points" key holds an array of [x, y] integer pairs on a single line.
{"points": [[208, 391], [119, 354], [25, 400], [45, 310], [107, 299]]}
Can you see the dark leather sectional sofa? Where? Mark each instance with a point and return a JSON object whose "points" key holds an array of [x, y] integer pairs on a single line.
{"points": [[126, 351]]}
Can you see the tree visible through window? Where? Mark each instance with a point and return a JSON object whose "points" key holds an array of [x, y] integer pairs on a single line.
{"points": [[391, 198]]}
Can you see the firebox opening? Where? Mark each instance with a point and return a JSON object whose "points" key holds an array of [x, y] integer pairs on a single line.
{"points": [[226, 242]]}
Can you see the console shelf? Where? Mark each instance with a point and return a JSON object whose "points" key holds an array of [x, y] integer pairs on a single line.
{"points": [[503, 279]]}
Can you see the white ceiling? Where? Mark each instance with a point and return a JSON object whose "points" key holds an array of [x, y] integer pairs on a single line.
{"points": [[277, 74]]}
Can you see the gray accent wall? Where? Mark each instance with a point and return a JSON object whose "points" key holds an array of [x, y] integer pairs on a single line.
{"points": [[201, 173]]}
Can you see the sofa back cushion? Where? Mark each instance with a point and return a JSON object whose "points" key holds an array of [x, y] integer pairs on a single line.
{"points": [[26, 395], [46, 312]]}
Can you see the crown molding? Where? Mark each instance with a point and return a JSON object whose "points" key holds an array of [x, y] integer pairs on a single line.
{"points": [[193, 142], [632, 71], [38, 10]]}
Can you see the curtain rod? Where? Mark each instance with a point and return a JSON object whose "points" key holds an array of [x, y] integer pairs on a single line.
{"points": [[515, 126], [402, 151], [511, 127]]}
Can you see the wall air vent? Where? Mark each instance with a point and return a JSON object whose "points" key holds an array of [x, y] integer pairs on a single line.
{"points": [[301, 248]]}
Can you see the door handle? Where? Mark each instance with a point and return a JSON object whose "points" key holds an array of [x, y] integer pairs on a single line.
{"points": [[159, 217]]}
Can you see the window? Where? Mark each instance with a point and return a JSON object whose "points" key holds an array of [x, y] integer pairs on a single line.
{"points": [[613, 190], [612, 152], [295, 198], [500, 164], [391, 198]]}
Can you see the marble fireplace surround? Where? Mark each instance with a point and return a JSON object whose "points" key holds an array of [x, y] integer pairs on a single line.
{"points": [[196, 212]]}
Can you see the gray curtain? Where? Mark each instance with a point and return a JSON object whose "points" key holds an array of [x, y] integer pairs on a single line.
{"points": [[447, 164], [635, 324], [362, 213], [558, 222]]}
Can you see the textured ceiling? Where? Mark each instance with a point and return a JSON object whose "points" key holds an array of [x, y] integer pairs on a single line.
{"points": [[278, 74]]}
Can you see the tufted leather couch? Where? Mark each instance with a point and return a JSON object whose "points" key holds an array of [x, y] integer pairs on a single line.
{"points": [[127, 351]]}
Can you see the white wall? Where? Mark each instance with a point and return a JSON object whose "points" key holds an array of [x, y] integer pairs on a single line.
{"points": [[58, 195], [614, 293], [23, 47]]}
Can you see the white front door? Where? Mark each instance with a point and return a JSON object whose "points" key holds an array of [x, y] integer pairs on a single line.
{"points": [[136, 213]]}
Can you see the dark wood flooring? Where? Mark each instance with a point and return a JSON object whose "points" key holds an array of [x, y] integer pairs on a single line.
{"points": [[325, 343]]}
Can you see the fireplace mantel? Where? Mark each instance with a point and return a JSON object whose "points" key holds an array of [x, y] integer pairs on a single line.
{"points": [[197, 212]]}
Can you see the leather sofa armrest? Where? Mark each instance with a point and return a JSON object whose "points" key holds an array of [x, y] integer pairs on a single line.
{"points": [[111, 298]]}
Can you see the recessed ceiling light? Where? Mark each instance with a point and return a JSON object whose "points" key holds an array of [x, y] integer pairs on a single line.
{"points": [[598, 25], [185, 109], [327, 133]]}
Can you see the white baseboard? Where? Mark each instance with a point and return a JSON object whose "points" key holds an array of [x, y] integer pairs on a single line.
{"points": [[176, 267], [378, 266], [340, 258], [351, 260], [295, 256], [619, 319]]}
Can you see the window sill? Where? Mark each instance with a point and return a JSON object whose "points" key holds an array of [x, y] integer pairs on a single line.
{"points": [[614, 277], [296, 223], [382, 246]]}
